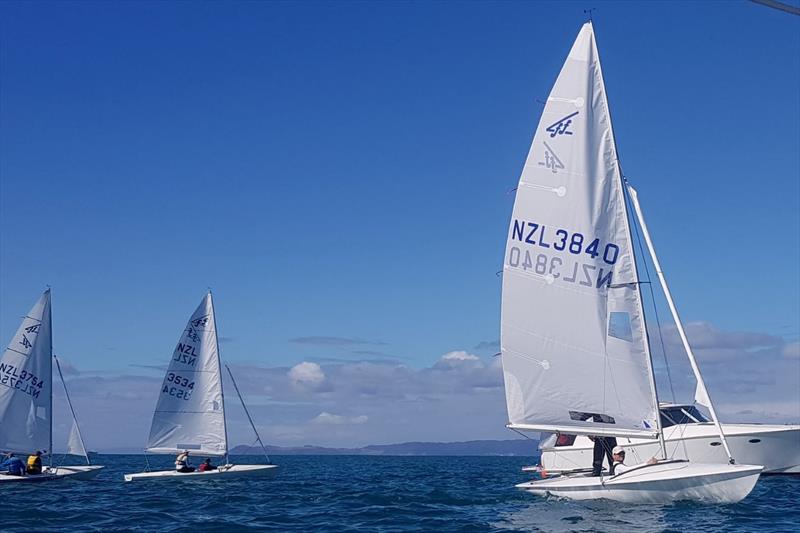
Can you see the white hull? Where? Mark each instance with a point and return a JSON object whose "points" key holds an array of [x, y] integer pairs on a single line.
{"points": [[223, 472], [661, 483], [55, 473], [774, 446]]}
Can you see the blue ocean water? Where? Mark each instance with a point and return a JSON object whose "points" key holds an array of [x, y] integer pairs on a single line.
{"points": [[358, 493]]}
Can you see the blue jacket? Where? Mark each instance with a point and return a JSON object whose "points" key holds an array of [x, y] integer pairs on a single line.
{"points": [[15, 466]]}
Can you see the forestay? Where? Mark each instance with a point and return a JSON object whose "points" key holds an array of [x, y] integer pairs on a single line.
{"points": [[189, 414], [25, 383], [575, 354]]}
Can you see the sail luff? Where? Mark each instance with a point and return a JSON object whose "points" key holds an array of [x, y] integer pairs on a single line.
{"points": [[50, 359], [620, 185], [572, 328], [221, 384]]}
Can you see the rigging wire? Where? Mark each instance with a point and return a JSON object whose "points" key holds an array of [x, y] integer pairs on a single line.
{"points": [[658, 320], [652, 295]]}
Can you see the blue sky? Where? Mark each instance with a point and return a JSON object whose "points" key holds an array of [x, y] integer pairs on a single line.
{"points": [[338, 173]]}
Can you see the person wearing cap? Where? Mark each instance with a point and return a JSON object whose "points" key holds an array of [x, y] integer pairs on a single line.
{"points": [[13, 465], [619, 466], [182, 462]]}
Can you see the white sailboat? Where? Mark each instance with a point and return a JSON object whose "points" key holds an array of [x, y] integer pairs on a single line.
{"points": [[576, 356], [26, 397], [190, 413]]}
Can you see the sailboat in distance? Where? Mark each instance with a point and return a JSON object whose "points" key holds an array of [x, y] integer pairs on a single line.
{"points": [[26, 397], [575, 352], [190, 412]]}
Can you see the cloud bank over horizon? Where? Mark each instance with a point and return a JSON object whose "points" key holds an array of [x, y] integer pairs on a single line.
{"points": [[752, 377]]}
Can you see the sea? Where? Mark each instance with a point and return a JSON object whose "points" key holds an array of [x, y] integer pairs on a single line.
{"points": [[366, 493]]}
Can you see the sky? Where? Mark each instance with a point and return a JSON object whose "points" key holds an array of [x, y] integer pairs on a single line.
{"points": [[340, 175]]}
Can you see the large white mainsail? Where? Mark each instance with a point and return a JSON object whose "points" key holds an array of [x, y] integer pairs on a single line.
{"points": [[26, 383], [189, 414], [574, 347]]}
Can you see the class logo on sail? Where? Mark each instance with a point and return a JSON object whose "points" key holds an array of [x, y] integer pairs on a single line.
{"points": [[562, 126]]}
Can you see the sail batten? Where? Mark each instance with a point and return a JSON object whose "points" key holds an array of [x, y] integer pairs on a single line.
{"points": [[189, 414], [573, 341]]}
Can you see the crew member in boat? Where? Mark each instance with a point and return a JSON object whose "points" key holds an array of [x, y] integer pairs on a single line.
{"points": [[182, 462], [602, 448], [206, 465], [35, 463], [619, 466], [13, 465]]}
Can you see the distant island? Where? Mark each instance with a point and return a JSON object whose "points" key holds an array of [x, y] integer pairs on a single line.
{"points": [[514, 447]]}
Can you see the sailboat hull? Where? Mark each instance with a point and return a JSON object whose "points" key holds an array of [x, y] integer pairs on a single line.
{"points": [[55, 473], [223, 472], [660, 483]]}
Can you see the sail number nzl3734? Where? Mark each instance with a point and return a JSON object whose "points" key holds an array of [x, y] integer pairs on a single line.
{"points": [[571, 264]]}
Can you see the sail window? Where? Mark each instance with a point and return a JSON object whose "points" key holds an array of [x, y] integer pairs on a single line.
{"points": [[594, 417], [619, 326]]}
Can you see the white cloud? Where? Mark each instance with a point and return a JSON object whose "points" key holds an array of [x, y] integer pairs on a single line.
{"points": [[457, 396], [460, 355], [329, 418], [307, 373]]}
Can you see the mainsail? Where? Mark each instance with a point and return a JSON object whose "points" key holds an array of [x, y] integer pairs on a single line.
{"points": [[574, 347], [26, 383], [189, 414]]}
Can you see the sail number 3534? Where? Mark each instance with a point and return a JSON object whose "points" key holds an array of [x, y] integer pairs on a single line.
{"points": [[181, 387]]}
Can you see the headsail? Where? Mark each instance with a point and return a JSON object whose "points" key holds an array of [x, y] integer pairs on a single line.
{"points": [[26, 383], [189, 414], [574, 347], [74, 442]]}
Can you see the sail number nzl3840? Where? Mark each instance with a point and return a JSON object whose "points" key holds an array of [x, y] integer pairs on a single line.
{"points": [[571, 264]]}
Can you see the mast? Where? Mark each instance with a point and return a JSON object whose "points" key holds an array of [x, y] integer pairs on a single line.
{"points": [[621, 185], [50, 331], [219, 366], [701, 385], [71, 410], [258, 437]]}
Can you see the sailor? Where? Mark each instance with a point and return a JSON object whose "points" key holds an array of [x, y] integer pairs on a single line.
{"points": [[182, 462], [619, 466], [14, 465], [602, 447], [206, 465], [35, 463]]}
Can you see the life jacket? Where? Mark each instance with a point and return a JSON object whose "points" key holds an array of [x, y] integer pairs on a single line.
{"points": [[34, 464]]}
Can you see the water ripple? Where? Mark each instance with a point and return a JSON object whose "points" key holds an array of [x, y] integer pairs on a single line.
{"points": [[357, 494]]}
